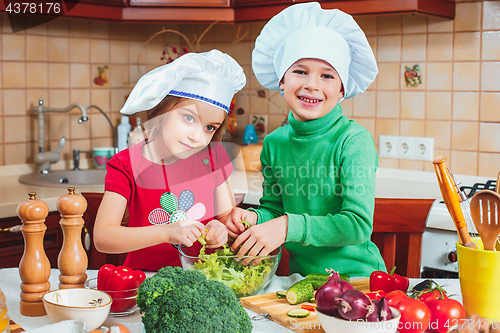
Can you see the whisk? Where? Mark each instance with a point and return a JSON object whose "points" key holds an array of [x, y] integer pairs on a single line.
{"points": [[451, 199], [465, 206]]}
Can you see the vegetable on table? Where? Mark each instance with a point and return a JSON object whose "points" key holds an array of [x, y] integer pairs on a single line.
{"points": [[445, 313], [415, 316], [376, 294], [388, 282], [430, 294], [120, 283], [281, 293], [308, 307], [394, 297], [299, 292], [179, 301], [326, 295], [298, 313], [354, 305]]}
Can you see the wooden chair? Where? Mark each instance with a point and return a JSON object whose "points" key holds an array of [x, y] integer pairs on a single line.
{"points": [[398, 225], [96, 258]]}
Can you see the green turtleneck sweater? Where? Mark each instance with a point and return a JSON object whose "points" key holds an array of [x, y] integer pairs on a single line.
{"points": [[321, 173]]}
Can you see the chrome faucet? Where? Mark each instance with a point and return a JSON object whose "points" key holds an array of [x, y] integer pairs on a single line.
{"points": [[43, 158]]}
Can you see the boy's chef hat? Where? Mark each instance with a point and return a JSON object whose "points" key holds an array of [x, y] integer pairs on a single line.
{"points": [[307, 31], [212, 77]]}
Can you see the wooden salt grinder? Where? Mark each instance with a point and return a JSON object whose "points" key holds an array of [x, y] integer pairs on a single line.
{"points": [[34, 267], [72, 260]]}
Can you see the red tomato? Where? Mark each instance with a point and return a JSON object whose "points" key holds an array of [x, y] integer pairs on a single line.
{"points": [[394, 297], [446, 313], [430, 296], [415, 316]]}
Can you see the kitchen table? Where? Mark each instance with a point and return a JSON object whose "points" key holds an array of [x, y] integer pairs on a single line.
{"points": [[10, 285]]}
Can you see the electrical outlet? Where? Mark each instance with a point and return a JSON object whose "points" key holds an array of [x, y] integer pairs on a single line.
{"points": [[424, 149], [387, 146], [406, 146]]}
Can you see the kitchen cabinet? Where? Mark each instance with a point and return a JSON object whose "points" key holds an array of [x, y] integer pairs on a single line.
{"points": [[184, 3], [259, 10], [241, 10], [12, 243]]}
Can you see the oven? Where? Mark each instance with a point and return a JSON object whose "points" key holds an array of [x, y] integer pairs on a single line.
{"points": [[439, 253]]}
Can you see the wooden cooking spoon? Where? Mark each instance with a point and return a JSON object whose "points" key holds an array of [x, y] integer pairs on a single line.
{"points": [[485, 211]]}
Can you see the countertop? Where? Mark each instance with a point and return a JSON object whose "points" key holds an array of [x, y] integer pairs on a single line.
{"points": [[10, 285], [389, 183]]}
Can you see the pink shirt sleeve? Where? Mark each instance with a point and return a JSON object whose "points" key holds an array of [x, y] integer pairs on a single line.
{"points": [[118, 178]]}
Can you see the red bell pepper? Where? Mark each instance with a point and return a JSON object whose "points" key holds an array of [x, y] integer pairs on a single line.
{"points": [[388, 282], [120, 283], [376, 295]]}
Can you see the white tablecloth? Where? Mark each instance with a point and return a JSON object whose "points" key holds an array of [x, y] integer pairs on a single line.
{"points": [[10, 284]]}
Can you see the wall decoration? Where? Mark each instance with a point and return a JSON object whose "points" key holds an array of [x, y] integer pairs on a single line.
{"points": [[412, 76], [101, 78], [170, 51], [259, 121]]}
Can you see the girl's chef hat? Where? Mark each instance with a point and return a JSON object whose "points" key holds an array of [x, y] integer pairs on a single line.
{"points": [[212, 77], [307, 31]]}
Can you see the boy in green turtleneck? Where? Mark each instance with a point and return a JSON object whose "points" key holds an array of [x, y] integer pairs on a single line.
{"points": [[319, 171]]}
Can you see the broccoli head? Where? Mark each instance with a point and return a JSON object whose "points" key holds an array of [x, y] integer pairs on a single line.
{"points": [[179, 301]]}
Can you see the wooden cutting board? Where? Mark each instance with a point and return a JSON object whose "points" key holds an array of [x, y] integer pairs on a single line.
{"points": [[277, 308]]}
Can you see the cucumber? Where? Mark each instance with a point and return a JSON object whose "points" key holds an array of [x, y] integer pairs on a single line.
{"points": [[281, 294], [301, 291], [316, 283], [312, 300], [324, 276], [298, 313]]}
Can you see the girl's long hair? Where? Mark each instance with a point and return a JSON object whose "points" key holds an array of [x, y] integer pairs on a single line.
{"points": [[154, 121]]}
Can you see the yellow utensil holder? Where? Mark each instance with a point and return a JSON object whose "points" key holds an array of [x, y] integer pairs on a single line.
{"points": [[479, 274]]}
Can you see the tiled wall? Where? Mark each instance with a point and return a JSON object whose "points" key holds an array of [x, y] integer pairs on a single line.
{"points": [[456, 103]]}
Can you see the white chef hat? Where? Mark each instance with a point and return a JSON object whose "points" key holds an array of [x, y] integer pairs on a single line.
{"points": [[307, 31], [212, 77]]}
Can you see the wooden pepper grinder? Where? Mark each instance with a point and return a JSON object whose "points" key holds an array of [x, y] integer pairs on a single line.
{"points": [[72, 260], [34, 267]]}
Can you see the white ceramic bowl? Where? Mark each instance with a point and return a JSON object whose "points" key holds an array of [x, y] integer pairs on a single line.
{"points": [[335, 325], [91, 306]]}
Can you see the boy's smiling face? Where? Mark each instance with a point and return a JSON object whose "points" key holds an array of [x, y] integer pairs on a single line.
{"points": [[312, 88]]}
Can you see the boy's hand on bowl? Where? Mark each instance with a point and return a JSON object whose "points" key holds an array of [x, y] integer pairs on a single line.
{"points": [[216, 235], [233, 221]]}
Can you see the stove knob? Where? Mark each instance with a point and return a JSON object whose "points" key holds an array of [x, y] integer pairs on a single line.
{"points": [[451, 257]]}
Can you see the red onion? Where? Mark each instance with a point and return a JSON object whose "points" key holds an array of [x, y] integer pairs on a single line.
{"points": [[385, 312], [374, 315], [327, 293], [354, 305]]}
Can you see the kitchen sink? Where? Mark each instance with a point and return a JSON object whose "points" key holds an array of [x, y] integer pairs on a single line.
{"points": [[65, 178]]}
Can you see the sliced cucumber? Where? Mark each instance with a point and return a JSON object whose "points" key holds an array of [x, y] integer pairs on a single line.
{"points": [[298, 313], [301, 291], [312, 300], [281, 294]]}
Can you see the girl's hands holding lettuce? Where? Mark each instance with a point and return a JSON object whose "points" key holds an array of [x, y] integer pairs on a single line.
{"points": [[233, 222], [216, 234]]}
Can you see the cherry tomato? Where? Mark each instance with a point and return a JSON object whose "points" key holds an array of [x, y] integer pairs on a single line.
{"points": [[430, 296], [415, 316], [446, 313], [394, 297]]}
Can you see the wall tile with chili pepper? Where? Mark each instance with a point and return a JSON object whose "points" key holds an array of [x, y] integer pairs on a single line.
{"points": [[121, 284], [388, 281]]}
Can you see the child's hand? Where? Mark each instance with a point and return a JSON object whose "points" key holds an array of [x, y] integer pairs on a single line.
{"points": [[217, 234], [262, 239], [184, 232], [233, 221]]}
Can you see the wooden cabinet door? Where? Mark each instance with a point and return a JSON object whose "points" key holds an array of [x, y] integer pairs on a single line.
{"points": [[12, 243], [183, 3], [106, 2]]}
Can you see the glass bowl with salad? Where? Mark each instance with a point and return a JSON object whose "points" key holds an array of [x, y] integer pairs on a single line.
{"points": [[244, 275]]}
